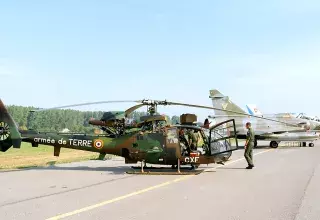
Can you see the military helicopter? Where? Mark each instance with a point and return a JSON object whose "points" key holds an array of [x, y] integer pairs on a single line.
{"points": [[152, 141]]}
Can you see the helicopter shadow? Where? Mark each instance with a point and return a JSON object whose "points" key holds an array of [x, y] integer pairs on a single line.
{"points": [[51, 165]]}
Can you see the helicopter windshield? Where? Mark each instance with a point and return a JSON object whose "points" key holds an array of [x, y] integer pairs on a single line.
{"points": [[206, 132], [153, 125]]}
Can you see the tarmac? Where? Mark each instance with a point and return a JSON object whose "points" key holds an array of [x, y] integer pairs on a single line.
{"points": [[282, 185]]}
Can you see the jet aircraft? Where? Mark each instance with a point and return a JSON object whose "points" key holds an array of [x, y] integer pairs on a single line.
{"points": [[310, 122], [292, 129]]}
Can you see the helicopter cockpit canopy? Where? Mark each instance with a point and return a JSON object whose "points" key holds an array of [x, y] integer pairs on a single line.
{"points": [[151, 122]]}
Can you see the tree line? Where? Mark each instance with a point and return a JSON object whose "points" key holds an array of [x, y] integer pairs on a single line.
{"points": [[59, 119]]}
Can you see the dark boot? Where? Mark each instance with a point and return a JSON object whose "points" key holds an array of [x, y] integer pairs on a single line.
{"points": [[249, 166]]}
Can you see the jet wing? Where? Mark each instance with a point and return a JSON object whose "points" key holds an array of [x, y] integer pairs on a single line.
{"points": [[314, 130], [275, 131], [290, 136]]}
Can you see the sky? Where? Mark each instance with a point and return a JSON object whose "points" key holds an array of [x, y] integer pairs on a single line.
{"points": [[266, 53]]}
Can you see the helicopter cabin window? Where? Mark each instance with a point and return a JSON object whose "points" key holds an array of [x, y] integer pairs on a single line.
{"points": [[192, 140], [147, 126], [154, 123]]}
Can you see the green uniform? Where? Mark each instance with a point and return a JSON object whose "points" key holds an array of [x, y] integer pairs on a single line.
{"points": [[185, 150], [192, 140], [250, 144]]}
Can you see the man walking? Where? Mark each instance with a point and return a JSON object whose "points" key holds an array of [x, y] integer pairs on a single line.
{"points": [[249, 146]]}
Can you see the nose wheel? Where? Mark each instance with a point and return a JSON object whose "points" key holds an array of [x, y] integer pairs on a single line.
{"points": [[255, 144], [274, 144]]}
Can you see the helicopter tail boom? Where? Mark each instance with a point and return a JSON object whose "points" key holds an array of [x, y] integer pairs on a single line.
{"points": [[9, 133]]}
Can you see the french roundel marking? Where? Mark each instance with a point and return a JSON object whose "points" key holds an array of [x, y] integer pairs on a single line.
{"points": [[98, 144]]}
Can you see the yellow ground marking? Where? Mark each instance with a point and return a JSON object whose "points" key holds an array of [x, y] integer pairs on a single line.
{"points": [[139, 191]]}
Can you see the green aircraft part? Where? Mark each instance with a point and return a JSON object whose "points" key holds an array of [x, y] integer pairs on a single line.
{"points": [[9, 133], [152, 140]]}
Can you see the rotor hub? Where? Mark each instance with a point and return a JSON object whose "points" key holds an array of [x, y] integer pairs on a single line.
{"points": [[152, 105], [153, 102]]}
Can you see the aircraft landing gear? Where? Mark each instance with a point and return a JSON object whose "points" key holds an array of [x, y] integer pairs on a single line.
{"points": [[304, 144], [255, 144], [274, 144], [142, 165], [193, 167], [144, 170]]}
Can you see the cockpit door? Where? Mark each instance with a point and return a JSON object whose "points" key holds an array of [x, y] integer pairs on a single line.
{"points": [[223, 138], [172, 145]]}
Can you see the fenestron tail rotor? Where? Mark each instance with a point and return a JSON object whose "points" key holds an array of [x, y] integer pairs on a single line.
{"points": [[4, 131], [9, 133]]}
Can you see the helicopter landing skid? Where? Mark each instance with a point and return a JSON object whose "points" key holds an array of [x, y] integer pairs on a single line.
{"points": [[144, 170], [167, 172]]}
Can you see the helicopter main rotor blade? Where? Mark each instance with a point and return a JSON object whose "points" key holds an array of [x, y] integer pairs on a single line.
{"points": [[132, 109], [157, 102], [239, 113], [87, 103]]}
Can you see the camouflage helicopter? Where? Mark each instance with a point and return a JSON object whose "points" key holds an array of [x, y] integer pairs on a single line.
{"points": [[152, 141]]}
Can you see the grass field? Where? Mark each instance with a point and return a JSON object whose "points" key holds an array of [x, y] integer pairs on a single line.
{"points": [[28, 156]]}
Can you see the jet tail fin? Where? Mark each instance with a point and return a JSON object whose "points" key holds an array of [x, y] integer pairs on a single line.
{"points": [[253, 110], [9, 133], [221, 101]]}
